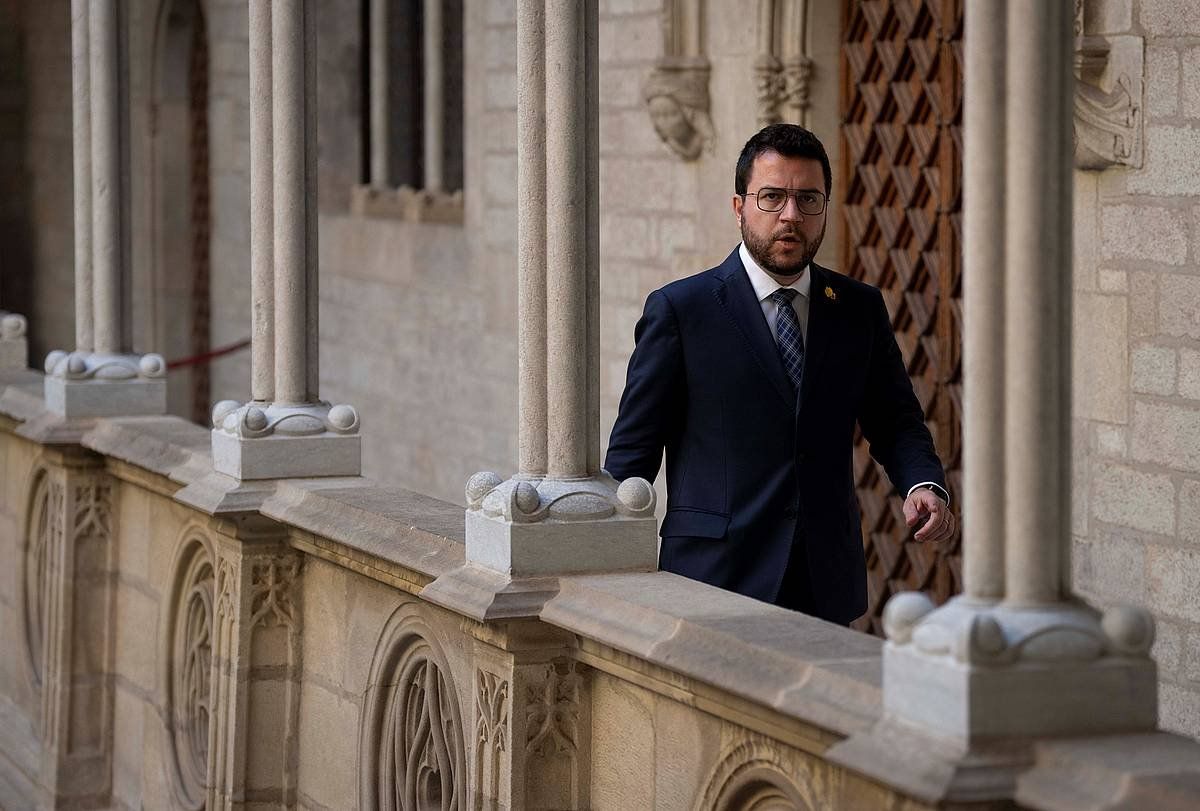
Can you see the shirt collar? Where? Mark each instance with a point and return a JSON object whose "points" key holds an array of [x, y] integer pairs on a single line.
{"points": [[762, 282]]}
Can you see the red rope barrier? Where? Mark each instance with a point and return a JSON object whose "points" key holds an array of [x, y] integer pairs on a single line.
{"points": [[195, 360]]}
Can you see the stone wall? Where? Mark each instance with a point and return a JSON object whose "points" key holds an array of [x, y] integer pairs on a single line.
{"points": [[1137, 358]]}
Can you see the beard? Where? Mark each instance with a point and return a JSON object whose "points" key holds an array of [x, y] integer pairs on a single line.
{"points": [[760, 248]]}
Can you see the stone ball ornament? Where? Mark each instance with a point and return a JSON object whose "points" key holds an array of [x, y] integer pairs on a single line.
{"points": [[152, 365], [636, 495], [53, 360], [255, 419], [903, 612], [526, 498], [12, 326], [343, 419], [222, 410], [479, 485], [76, 365], [1128, 629]]}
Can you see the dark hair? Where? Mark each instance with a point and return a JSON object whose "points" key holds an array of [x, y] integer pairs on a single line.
{"points": [[790, 141]]}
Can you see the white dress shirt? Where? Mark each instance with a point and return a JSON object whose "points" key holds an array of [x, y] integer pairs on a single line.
{"points": [[764, 286]]}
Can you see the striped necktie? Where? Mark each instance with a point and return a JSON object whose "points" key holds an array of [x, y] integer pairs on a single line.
{"points": [[788, 335]]}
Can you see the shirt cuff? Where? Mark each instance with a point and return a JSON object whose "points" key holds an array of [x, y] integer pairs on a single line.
{"points": [[935, 487]]}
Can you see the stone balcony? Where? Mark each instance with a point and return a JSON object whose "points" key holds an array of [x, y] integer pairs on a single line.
{"points": [[281, 654]]}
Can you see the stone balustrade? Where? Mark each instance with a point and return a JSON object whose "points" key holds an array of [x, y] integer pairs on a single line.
{"points": [[283, 655]]}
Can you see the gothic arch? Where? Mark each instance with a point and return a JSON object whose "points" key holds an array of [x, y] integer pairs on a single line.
{"points": [[411, 753], [185, 657], [755, 775]]}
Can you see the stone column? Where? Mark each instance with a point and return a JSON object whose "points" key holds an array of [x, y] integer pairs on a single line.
{"points": [[100, 378], [380, 170], [295, 434], [434, 95], [262, 211], [560, 512], [1016, 657]]}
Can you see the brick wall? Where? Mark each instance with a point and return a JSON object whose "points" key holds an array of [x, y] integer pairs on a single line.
{"points": [[1137, 359]]}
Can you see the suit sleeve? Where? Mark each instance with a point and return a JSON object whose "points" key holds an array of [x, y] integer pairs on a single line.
{"points": [[651, 406], [891, 417]]}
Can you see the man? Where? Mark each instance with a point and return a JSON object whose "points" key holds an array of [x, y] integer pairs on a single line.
{"points": [[752, 376]]}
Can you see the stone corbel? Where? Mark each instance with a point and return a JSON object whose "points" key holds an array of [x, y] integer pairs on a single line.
{"points": [[676, 91], [1108, 120], [13, 350], [783, 69]]}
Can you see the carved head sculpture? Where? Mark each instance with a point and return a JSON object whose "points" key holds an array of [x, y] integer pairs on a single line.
{"points": [[677, 100]]}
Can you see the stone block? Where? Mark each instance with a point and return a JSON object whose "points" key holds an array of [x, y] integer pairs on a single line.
{"points": [[675, 235], [1169, 18], [623, 756], [557, 547], [136, 653], [1173, 581], [1167, 435], [1170, 640], [1111, 440], [1179, 708], [1189, 374], [1131, 498], [1189, 511], [501, 12], [328, 768], [500, 90], [128, 747], [1109, 17], [630, 40], [1145, 233], [1154, 370], [687, 746], [1179, 305], [627, 236], [500, 47], [500, 178], [106, 398], [622, 87], [1172, 163], [1113, 281], [1162, 81], [1112, 567], [1101, 376], [325, 625], [280, 457], [1143, 303], [1190, 84]]}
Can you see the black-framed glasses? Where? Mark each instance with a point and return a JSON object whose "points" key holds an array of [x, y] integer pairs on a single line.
{"points": [[772, 200]]}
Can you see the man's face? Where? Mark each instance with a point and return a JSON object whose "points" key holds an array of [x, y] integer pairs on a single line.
{"points": [[782, 242]]}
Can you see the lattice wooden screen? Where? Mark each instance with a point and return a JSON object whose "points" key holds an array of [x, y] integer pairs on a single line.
{"points": [[900, 230]]}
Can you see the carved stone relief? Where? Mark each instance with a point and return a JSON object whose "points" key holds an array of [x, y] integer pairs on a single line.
{"points": [[782, 70], [188, 680], [552, 711], [44, 533], [411, 742], [271, 586], [491, 731], [1109, 72], [755, 773], [676, 91]]}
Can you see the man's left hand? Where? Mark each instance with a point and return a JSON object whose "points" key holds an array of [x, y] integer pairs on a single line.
{"points": [[940, 525]]}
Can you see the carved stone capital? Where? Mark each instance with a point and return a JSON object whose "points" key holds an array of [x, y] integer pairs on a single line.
{"points": [[408, 204], [528, 528], [1108, 118], [259, 440], [96, 384], [974, 669]]}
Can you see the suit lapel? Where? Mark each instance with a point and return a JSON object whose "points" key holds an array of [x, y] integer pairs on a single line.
{"points": [[822, 310], [736, 296]]}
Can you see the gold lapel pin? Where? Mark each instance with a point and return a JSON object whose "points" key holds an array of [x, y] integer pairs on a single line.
{"points": [[829, 294]]}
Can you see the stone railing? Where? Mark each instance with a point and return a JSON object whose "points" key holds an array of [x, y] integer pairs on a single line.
{"points": [[279, 653]]}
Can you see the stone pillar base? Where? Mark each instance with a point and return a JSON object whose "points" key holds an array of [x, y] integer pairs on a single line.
{"points": [[14, 351], [271, 441], [80, 384], [524, 532], [973, 683]]}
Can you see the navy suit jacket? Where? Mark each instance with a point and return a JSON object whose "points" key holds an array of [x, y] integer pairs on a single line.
{"points": [[751, 468]]}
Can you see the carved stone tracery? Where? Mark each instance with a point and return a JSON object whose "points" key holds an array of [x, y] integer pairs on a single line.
{"points": [[411, 742], [44, 533], [271, 587], [191, 621], [491, 731], [783, 70], [756, 774], [552, 711]]}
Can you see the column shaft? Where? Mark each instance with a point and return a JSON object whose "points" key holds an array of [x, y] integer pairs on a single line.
{"points": [[106, 176], [262, 215], [290, 159], [81, 143], [434, 95], [567, 239], [380, 173], [531, 236], [983, 294], [1037, 301]]}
